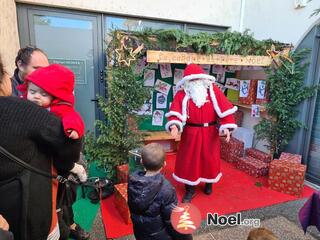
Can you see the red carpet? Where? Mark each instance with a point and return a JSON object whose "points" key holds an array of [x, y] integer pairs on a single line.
{"points": [[235, 192]]}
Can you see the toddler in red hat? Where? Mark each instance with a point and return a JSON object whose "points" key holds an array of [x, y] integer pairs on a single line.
{"points": [[52, 87]]}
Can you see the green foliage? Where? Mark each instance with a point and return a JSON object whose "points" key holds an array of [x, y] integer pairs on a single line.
{"points": [[287, 91], [219, 42], [126, 94]]}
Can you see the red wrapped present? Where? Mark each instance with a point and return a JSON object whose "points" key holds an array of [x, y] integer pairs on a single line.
{"points": [[123, 173], [121, 201], [252, 166], [229, 151], [262, 92], [255, 153], [286, 177], [238, 116], [294, 158], [248, 91]]}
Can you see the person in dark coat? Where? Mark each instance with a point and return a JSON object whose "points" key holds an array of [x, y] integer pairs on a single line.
{"points": [[151, 198], [36, 136], [5, 234], [27, 60]]}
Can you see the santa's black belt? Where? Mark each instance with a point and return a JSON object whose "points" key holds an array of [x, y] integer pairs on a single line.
{"points": [[201, 124]]}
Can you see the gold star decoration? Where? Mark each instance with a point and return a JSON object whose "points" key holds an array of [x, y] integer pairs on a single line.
{"points": [[277, 56], [126, 54]]}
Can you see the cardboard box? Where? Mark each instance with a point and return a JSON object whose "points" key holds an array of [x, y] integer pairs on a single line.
{"points": [[286, 177], [121, 201]]}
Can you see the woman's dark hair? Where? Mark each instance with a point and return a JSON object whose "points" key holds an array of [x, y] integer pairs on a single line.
{"points": [[24, 54], [2, 71]]}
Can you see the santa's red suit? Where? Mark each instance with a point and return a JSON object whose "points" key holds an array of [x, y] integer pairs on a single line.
{"points": [[58, 81], [198, 158]]}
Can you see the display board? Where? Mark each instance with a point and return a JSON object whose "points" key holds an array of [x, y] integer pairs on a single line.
{"points": [[161, 80]]}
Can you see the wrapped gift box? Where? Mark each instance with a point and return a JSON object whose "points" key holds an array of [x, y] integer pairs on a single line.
{"points": [[238, 117], [249, 91], [229, 151], [123, 173], [252, 166], [294, 158], [255, 153], [286, 177], [121, 201], [262, 92]]}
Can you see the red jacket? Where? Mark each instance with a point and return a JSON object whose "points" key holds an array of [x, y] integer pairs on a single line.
{"points": [[58, 81]]}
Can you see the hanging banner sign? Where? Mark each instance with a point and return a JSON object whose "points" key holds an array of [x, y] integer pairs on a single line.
{"points": [[219, 59]]}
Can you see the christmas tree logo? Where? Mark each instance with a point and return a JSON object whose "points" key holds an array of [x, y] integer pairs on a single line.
{"points": [[185, 218]]}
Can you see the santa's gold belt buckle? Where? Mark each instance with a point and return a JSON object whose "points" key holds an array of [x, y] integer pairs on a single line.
{"points": [[206, 124]]}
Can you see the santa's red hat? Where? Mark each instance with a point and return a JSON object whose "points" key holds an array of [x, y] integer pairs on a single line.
{"points": [[192, 72], [55, 79]]}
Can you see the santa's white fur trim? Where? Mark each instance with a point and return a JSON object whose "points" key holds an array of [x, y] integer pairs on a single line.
{"points": [[176, 114], [229, 125], [217, 108], [195, 76], [183, 116], [175, 122], [193, 183], [184, 107]]}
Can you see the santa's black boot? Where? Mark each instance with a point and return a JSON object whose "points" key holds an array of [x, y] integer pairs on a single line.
{"points": [[208, 188], [190, 192]]}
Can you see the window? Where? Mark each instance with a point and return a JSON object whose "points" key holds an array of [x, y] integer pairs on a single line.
{"points": [[135, 24], [194, 29]]}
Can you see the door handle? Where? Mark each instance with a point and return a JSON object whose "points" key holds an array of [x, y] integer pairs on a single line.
{"points": [[101, 76], [94, 100]]}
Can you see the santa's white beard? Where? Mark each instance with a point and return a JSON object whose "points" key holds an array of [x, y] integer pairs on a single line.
{"points": [[198, 91]]}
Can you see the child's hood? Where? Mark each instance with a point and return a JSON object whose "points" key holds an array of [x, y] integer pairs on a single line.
{"points": [[55, 79], [143, 190]]}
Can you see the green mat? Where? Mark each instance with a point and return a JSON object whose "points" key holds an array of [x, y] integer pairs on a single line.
{"points": [[84, 211]]}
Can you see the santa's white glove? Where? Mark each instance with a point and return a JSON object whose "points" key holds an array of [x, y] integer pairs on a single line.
{"points": [[80, 172]]}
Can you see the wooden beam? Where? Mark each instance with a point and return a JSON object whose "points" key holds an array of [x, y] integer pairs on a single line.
{"points": [[218, 59]]}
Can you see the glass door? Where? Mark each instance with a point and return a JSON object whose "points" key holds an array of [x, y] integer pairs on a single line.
{"points": [[73, 40]]}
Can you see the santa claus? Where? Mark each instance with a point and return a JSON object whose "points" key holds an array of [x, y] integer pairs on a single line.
{"points": [[194, 112]]}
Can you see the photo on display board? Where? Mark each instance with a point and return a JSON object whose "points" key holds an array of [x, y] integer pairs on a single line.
{"points": [[146, 108], [165, 70], [141, 64], [220, 78], [217, 69], [157, 118], [161, 101], [149, 77], [255, 110], [233, 83], [178, 75], [162, 87]]}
